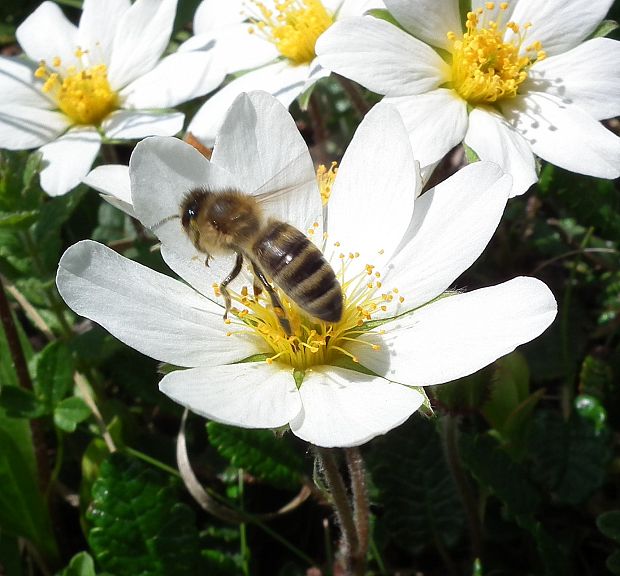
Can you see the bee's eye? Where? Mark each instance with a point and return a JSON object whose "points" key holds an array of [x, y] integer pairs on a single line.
{"points": [[190, 214]]}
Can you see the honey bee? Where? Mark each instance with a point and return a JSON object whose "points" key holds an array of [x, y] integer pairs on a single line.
{"points": [[229, 221]]}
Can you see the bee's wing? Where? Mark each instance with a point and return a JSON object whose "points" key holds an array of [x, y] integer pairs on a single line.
{"points": [[275, 187]]}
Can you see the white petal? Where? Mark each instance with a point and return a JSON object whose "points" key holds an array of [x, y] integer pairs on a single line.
{"points": [[141, 37], [352, 8], [162, 172], [587, 76], [429, 20], [493, 139], [68, 159], [457, 335], [98, 25], [134, 124], [153, 313], [249, 395], [202, 278], [381, 57], [565, 135], [23, 127], [259, 142], [212, 15], [112, 182], [176, 79], [436, 122], [371, 203], [283, 81], [452, 224], [345, 408], [559, 25], [237, 49], [316, 73], [47, 33], [18, 87]]}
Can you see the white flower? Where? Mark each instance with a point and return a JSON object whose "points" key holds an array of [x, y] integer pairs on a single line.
{"points": [[273, 40], [523, 80], [333, 384], [104, 78]]}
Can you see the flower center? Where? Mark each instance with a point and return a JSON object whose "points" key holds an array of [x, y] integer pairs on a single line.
{"points": [[315, 342], [82, 93], [485, 67], [294, 26]]}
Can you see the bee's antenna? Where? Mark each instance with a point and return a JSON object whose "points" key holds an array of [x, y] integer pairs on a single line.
{"points": [[163, 221]]}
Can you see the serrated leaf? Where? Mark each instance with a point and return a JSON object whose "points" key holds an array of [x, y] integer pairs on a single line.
{"points": [[81, 564], [53, 373], [138, 526], [497, 472], [609, 524], [70, 412], [415, 487], [258, 452], [569, 458]]}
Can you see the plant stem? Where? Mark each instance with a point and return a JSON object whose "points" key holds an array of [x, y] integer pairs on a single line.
{"points": [[349, 543], [361, 512], [450, 428], [243, 542], [354, 94]]}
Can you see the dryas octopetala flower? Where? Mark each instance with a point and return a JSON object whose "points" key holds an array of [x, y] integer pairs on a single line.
{"points": [[515, 79], [272, 41], [102, 79], [394, 253]]}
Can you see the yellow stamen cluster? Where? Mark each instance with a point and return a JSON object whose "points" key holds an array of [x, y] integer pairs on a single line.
{"points": [[485, 67], [83, 94], [314, 342], [294, 26], [325, 178]]}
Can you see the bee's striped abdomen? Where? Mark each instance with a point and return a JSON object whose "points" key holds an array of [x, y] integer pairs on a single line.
{"points": [[297, 266]]}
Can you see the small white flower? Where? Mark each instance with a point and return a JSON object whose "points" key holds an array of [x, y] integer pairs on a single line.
{"points": [[104, 78], [521, 80], [273, 41], [333, 384]]}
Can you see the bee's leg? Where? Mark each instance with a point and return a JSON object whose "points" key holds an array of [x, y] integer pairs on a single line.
{"points": [[275, 301], [233, 274]]}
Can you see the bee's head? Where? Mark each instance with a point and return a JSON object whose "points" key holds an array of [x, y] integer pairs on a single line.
{"points": [[191, 207]]}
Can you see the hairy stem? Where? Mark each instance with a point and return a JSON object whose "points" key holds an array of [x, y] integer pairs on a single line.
{"points": [[349, 543], [361, 512]]}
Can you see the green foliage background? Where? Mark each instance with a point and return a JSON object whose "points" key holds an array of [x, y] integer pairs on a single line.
{"points": [[517, 472]]}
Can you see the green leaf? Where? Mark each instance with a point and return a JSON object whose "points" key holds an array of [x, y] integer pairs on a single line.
{"points": [[569, 458], [138, 525], [605, 28], [70, 412], [81, 564], [20, 403], [17, 220], [383, 14], [613, 562], [22, 508], [497, 472], [609, 524], [10, 555], [415, 487], [259, 452], [464, 395], [53, 374]]}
